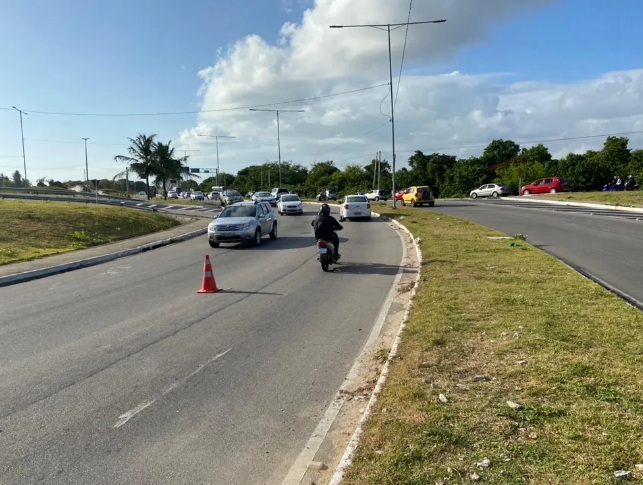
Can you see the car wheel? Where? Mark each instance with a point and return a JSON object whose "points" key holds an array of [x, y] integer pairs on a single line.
{"points": [[494, 195], [273, 233], [214, 244], [403, 203], [431, 204], [368, 218], [552, 191], [377, 199], [525, 192], [413, 204], [257, 239], [474, 196]]}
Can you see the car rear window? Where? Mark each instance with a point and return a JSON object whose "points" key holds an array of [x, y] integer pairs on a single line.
{"points": [[290, 198], [356, 198]]}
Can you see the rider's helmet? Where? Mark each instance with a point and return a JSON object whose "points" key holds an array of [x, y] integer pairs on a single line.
{"points": [[324, 210]]}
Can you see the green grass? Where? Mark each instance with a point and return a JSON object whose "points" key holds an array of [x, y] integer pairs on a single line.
{"points": [[625, 199], [33, 229], [568, 351]]}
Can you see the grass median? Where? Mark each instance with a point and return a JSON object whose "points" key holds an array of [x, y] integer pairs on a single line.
{"points": [[33, 229], [508, 356]]}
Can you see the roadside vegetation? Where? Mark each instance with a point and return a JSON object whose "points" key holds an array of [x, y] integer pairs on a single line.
{"points": [[512, 369], [33, 229], [501, 161]]}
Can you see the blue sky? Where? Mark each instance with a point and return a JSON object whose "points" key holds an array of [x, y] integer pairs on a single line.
{"points": [[144, 56]]}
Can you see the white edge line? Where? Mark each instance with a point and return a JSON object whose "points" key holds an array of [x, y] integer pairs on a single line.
{"points": [[300, 466], [125, 417], [352, 446]]}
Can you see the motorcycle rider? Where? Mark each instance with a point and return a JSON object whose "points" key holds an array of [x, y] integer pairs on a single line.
{"points": [[325, 226]]}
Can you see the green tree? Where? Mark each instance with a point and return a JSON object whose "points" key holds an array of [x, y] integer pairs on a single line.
{"points": [[588, 171], [141, 157], [616, 154], [466, 174], [320, 177], [498, 154], [17, 179], [166, 165]]}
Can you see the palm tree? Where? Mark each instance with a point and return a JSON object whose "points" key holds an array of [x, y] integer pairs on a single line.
{"points": [[166, 166], [141, 157]]}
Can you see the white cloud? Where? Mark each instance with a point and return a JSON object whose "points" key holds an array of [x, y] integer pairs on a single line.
{"points": [[453, 112]]}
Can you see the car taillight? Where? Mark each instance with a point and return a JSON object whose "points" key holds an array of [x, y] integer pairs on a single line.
{"points": [[368, 206], [346, 206]]}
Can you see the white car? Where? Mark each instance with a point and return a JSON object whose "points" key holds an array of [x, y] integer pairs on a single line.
{"points": [[377, 195], [290, 204], [355, 207], [172, 194], [197, 195], [264, 197], [490, 190]]}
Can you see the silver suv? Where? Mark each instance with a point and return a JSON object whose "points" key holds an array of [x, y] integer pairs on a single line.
{"points": [[243, 222]]}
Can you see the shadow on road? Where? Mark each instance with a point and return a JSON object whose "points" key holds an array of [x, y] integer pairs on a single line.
{"points": [[347, 267]]}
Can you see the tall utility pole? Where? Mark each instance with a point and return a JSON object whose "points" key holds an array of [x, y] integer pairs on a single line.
{"points": [[379, 169], [390, 73], [278, 137], [86, 164], [216, 137], [22, 135]]}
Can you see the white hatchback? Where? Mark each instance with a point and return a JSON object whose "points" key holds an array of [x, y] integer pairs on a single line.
{"points": [[355, 207]]}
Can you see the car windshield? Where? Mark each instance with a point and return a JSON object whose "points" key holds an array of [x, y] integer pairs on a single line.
{"points": [[289, 198], [239, 211], [263, 194], [232, 192], [356, 198]]}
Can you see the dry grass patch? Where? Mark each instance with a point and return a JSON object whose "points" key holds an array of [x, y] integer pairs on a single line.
{"points": [[497, 321], [33, 229]]}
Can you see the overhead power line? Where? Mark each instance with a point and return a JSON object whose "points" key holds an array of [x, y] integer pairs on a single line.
{"points": [[406, 35], [218, 110]]}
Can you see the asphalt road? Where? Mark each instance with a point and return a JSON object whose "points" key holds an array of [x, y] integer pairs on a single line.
{"points": [[122, 374], [605, 243]]}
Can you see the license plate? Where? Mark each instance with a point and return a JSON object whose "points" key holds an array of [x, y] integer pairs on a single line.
{"points": [[322, 250], [358, 213]]}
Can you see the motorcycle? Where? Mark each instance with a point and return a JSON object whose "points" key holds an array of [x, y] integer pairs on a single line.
{"points": [[326, 254]]}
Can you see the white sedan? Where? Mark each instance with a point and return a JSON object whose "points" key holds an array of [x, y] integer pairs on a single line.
{"points": [[355, 207], [290, 204]]}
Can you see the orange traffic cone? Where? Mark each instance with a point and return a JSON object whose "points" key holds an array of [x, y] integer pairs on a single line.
{"points": [[208, 284]]}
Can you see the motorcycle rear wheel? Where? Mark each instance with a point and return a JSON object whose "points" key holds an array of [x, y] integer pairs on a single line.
{"points": [[325, 261]]}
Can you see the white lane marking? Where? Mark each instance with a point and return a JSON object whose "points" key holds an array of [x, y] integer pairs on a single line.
{"points": [[125, 417], [306, 456]]}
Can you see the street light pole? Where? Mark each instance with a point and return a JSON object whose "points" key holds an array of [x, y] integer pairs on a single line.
{"points": [[390, 71], [86, 164], [22, 135], [216, 137], [278, 135]]}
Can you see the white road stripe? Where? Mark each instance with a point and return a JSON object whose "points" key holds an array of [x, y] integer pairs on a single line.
{"points": [[125, 417]]}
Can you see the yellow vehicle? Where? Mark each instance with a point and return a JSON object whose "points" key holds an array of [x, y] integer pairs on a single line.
{"points": [[419, 195]]}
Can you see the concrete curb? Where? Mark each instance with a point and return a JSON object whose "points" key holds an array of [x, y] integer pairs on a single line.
{"points": [[590, 205], [85, 263], [354, 442]]}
